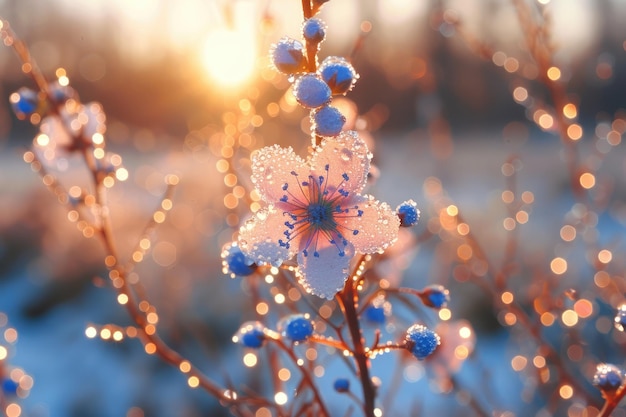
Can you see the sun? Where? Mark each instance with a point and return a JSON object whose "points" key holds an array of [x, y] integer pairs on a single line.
{"points": [[229, 57]]}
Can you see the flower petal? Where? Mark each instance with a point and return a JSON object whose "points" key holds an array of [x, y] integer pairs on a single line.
{"points": [[324, 275], [376, 227], [261, 236], [272, 168], [344, 160]]}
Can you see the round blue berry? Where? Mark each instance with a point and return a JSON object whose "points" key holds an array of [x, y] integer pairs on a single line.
{"points": [[61, 93], [251, 335], [375, 314], [421, 341], [313, 30], [435, 296], [9, 387], [24, 102], [608, 378], [408, 213], [235, 262], [311, 91], [287, 56], [297, 327], [338, 74], [341, 385], [327, 121]]}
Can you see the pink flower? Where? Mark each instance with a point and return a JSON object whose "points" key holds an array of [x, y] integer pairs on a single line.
{"points": [[315, 211]]}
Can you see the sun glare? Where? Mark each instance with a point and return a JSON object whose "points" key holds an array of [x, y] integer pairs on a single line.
{"points": [[229, 57]]}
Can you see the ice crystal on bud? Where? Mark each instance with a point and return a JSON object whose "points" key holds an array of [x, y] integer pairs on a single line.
{"points": [[408, 213], [311, 91], [435, 296], [608, 378], [24, 102], [313, 30], [338, 74], [315, 211], [421, 341], [287, 56], [327, 121], [297, 327], [251, 335], [235, 262]]}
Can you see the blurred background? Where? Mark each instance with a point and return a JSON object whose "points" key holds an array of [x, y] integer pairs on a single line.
{"points": [[172, 74]]}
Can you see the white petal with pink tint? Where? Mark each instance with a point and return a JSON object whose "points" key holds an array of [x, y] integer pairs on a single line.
{"points": [[377, 226], [259, 236], [271, 169], [345, 155], [325, 275]]}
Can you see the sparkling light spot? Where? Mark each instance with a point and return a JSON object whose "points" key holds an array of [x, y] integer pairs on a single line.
{"points": [[558, 265], [568, 233], [250, 360], [605, 256], [280, 398], [569, 318], [587, 180], [553, 73], [518, 363]]}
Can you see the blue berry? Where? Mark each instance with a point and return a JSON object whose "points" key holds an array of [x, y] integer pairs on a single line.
{"points": [[338, 74], [235, 262], [341, 385], [24, 102], [311, 91], [408, 213], [421, 341], [61, 93], [287, 56], [297, 327], [608, 378], [9, 387], [251, 335], [435, 296], [313, 30], [375, 314], [327, 121]]}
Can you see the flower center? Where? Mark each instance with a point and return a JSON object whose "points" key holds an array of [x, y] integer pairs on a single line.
{"points": [[320, 216], [314, 210]]}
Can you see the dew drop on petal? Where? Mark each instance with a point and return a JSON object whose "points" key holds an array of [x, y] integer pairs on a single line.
{"points": [[346, 154]]}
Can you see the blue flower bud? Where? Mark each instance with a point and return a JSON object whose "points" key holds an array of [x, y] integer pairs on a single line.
{"points": [[287, 56], [421, 341], [608, 378], [327, 121], [408, 213], [311, 91], [24, 102], [61, 93], [297, 327], [313, 30], [341, 385], [251, 335], [338, 74], [235, 262], [435, 296], [375, 314], [9, 387]]}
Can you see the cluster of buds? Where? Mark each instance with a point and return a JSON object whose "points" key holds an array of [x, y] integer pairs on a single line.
{"points": [[313, 85]]}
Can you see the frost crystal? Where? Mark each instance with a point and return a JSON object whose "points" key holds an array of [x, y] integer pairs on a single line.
{"points": [[315, 211]]}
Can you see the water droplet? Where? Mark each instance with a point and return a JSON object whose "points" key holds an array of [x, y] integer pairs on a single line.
{"points": [[346, 154]]}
